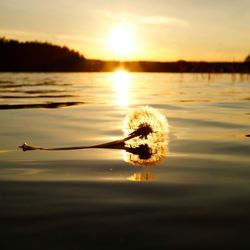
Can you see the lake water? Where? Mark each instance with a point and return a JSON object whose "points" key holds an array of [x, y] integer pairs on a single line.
{"points": [[197, 197]]}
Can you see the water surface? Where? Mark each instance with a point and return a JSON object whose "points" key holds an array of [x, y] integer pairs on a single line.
{"points": [[198, 197]]}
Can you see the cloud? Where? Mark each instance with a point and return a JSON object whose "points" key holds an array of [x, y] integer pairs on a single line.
{"points": [[59, 39], [163, 20], [79, 39], [24, 35], [145, 19]]}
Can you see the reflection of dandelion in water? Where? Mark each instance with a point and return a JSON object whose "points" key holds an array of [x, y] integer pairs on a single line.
{"points": [[154, 145], [143, 176]]}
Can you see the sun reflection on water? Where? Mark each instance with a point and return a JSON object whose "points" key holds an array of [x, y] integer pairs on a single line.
{"points": [[142, 176], [121, 83]]}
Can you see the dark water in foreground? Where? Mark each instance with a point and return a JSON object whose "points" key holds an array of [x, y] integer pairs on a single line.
{"points": [[197, 198]]}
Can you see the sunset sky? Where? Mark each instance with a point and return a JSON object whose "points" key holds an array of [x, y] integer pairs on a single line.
{"points": [[164, 30]]}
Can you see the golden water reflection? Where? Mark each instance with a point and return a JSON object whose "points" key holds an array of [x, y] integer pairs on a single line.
{"points": [[142, 176], [122, 83]]}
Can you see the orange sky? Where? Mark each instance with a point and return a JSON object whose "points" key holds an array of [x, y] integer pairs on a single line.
{"points": [[162, 30]]}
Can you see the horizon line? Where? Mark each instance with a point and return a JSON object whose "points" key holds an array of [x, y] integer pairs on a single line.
{"points": [[120, 60]]}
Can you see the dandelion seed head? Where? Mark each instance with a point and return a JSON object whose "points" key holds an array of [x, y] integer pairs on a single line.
{"points": [[155, 139]]}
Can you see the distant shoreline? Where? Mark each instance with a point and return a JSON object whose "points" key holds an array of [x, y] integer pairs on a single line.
{"points": [[169, 67], [145, 66], [45, 57]]}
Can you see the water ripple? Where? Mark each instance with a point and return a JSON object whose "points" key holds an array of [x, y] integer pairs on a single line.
{"points": [[51, 105]]}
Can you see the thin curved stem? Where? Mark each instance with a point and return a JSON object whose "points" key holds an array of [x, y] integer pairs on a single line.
{"points": [[142, 131], [115, 144]]}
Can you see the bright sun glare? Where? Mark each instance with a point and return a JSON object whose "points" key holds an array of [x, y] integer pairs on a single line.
{"points": [[121, 82], [122, 40]]}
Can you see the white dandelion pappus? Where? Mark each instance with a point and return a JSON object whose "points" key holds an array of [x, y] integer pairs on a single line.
{"points": [[156, 141]]}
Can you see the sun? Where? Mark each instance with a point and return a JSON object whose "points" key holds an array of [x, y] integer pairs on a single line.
{"points": [[122, 40]]}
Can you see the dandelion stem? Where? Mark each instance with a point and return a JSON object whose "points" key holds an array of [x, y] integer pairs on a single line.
{"points": [[142, 131]]}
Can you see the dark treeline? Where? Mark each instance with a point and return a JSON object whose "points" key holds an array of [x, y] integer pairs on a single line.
{"points": [[36, 56], [179, 66], [198, 67], [18, 56]]}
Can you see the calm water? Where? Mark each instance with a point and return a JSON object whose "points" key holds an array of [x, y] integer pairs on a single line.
{"points": [[198, 197]]}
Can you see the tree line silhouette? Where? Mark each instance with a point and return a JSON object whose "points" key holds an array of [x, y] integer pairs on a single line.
{"points": [[16, 56], [36, 56]]}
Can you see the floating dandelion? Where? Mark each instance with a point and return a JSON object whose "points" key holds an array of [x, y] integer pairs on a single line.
{"points": [[144, 142], [153, 146]]}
